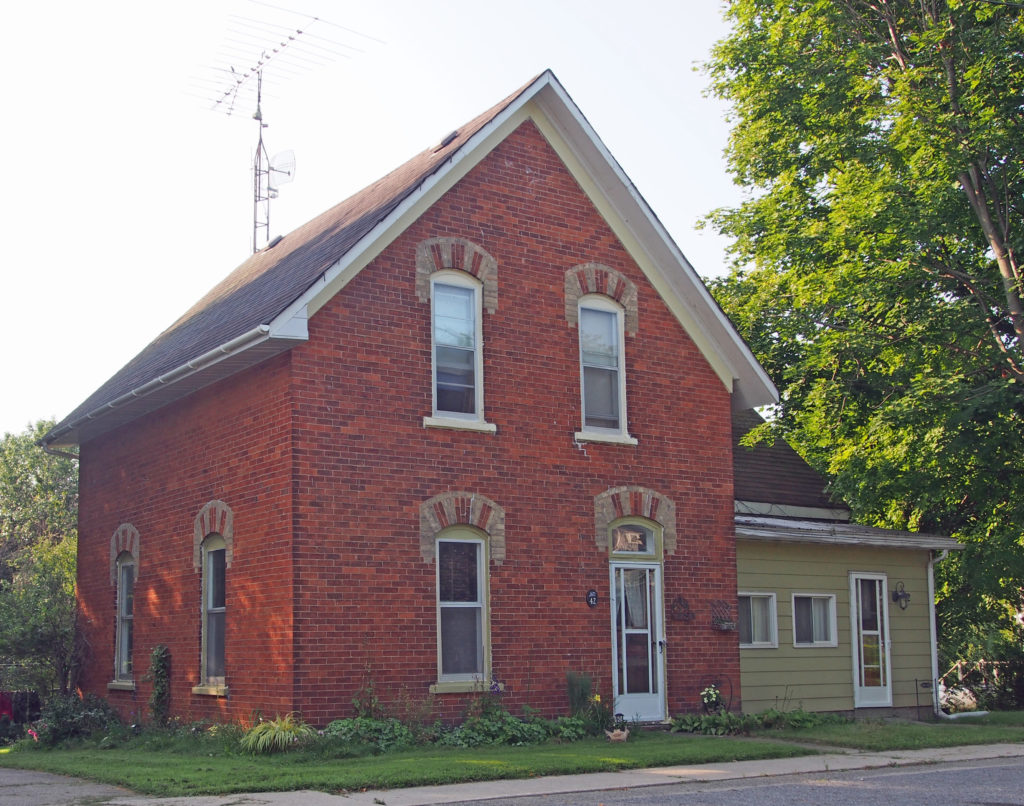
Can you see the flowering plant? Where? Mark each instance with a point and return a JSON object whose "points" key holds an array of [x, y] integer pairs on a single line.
{"points": [[711, 698]]}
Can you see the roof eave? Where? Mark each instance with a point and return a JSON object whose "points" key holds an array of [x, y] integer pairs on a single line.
{"points": [[800, 531]]}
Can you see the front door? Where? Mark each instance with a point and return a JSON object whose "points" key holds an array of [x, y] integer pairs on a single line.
{"points": [[638, 641], [869, 619]]}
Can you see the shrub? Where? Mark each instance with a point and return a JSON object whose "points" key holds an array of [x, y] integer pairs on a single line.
{"points": [[719, 723], [495, 728], [567, 729], [277, 735], [381, 734], [10, 731], [66, 717]]}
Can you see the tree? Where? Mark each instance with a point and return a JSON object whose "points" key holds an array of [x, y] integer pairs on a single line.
{"points": [[877, 272], [38, 539]]}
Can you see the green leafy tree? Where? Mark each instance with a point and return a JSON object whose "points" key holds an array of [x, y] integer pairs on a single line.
{"points": [[877, 271], [38, 540]]}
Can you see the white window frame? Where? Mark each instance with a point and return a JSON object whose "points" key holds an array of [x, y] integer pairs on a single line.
{"points": [[212, 543], [124, 672], [592, 433], [773, 620], [463, 535], [833, 639], [471, 421]]}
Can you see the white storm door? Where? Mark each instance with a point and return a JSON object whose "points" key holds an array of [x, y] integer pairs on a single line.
{"points": [[638, 671], [869, 622]]}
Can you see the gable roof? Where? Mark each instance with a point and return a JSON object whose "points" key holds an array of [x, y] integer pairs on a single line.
{"points": [[261, 308]]}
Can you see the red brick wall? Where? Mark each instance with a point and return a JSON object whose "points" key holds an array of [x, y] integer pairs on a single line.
{"points": [[327, 506], [230, 442], [365, 606]]}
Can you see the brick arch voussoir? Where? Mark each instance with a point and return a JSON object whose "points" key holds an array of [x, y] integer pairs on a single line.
{"points": [[621, 502], [596, 278], [125, 538], [461, 254], [462, 509], [215, 517]]}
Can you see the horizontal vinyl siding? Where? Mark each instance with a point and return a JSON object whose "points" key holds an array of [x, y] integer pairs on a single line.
{"points": [[821, 678]]}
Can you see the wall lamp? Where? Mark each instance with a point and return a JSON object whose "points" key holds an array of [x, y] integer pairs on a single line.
{"points": [[900, 596]]}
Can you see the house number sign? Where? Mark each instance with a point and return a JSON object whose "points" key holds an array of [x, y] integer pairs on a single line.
{"points": [[592, 598]]}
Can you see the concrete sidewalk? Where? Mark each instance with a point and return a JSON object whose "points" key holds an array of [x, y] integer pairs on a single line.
{"points": [[53, 790]]}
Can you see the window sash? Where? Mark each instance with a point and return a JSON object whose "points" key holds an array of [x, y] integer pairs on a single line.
{"points": [[812, 620], [125, 620], [601, 367], [461, 613], [455, 327], [214, 616], [757, 620]]}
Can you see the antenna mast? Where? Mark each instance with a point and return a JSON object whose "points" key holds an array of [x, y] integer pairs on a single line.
{"points": [[293, 50], [260, 174]]}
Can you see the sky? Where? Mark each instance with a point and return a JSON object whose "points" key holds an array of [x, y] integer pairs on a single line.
{"points": [[127, 192]]}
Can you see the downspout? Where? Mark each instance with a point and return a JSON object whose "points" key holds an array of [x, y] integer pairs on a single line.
{"points": [[932, 637], [939, 713], [56, 451]]}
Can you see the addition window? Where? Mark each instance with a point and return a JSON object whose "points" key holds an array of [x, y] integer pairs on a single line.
{"points": [[814, 619], [214, 611], [462, 621], [458, 393], [757, 621], [125, 617], [602, 370]]}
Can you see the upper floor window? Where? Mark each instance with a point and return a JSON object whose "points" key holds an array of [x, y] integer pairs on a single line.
{"points": [[124, 630], [457, 342], [602, 368]]}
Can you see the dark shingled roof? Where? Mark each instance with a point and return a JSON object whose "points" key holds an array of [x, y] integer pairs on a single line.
{"points": [[265, 285], [774, 473]]}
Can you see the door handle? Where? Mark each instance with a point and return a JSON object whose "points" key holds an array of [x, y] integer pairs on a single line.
{"points": [[661, 646]]}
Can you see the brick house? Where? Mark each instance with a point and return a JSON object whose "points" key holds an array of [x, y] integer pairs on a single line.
{"points": [[356, 460]]}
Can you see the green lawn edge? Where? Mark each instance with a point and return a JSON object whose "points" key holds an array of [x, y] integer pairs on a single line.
{"points": [[178, 774]]}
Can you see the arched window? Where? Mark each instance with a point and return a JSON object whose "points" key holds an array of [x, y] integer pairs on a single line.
{"points": [[214, 611], [462, 617], [124, 631]]}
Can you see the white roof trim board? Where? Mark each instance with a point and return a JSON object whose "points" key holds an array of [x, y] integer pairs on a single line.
{"points": [[750, 527]]}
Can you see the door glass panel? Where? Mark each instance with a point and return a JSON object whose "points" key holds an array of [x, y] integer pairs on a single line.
{"points": [[868, 605], [638, 666], [635, 596]]}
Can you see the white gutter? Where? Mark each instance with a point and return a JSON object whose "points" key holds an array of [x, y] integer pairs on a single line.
{"points": [[235, 345]]}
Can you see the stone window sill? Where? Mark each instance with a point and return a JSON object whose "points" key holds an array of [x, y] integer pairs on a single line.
{"points": [[211, 691], [463, 687], [456, 424], [121, 685], [611, 439]]}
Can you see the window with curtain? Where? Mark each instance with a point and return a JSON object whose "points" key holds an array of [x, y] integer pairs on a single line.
{"points": [[757, 625], [814, 620]]}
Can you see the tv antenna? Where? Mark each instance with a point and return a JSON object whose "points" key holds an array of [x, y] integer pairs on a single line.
{"points": [[289, 42], [268, 174]]}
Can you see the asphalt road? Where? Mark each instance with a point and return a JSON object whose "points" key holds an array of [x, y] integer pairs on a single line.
{"points": [[996, 782]]}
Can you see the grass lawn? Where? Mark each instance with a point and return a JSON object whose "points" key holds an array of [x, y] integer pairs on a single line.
{"points": [[1003, 726], [208, 771]]}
